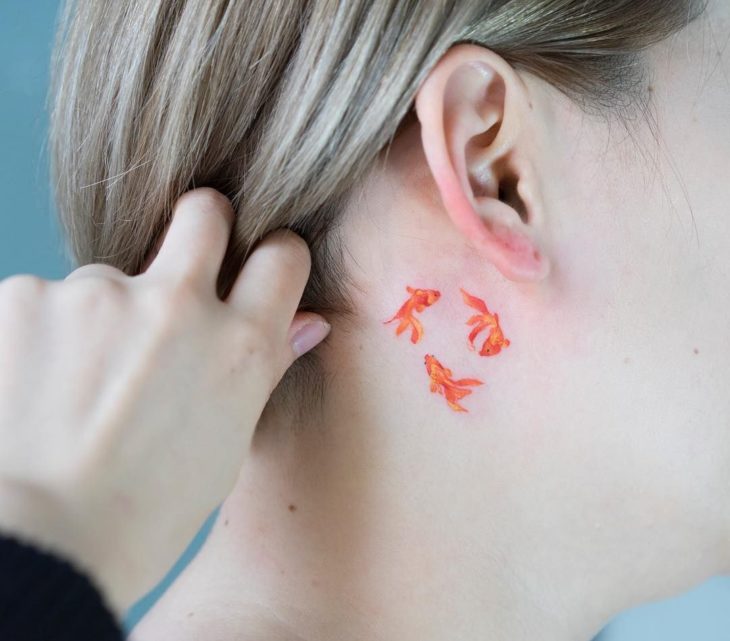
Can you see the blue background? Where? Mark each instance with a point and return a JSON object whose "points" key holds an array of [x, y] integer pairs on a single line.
{"points": [[30, 243]]}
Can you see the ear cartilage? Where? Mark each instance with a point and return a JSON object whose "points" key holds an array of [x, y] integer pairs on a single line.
{"points": [[418, 301], [485, 320], [441, 382]]}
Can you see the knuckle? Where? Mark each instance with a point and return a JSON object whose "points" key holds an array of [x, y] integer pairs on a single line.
{"points": [[169, 303], [182, 291], [21, 289], [93, 293], [20, 302]]}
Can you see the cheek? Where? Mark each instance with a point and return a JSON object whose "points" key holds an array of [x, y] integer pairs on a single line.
{"points": [[695, 165]]}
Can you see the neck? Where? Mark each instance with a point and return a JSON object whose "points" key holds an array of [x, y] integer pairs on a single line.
{"points": [[351, 542], [358, 531], [385, 525]]}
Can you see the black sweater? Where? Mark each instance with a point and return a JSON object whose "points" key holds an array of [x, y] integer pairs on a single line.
{"points": [[45, 598]]}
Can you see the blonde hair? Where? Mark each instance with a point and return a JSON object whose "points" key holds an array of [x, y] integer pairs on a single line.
{"points": [[284, 106]]}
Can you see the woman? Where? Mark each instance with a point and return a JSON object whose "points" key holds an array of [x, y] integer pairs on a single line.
{"points": [[517, 427]]}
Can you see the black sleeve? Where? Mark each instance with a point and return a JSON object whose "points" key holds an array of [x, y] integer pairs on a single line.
{"points": [[44, 598]]}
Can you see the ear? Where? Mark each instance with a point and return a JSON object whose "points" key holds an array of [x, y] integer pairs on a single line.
{"points": [[475, 114]]}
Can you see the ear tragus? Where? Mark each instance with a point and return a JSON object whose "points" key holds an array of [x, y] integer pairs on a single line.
{"points": [[509, 192]]}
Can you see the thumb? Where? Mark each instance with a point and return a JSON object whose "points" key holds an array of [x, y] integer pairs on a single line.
{"points": [[306, 331]]}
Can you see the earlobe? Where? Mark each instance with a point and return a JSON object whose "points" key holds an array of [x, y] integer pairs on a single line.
{"points": [[474, 111]]}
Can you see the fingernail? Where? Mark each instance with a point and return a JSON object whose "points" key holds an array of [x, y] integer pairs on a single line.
{"points": [[309, 336]]}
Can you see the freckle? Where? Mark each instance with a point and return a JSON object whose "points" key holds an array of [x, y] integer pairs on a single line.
{"points": [[697, 351], [650, 88], [627, 360], [292, 507], [314, 583], [190, 614], [225, 524]]}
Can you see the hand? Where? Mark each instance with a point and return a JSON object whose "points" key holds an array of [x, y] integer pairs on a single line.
{"points": [[127, 404]]}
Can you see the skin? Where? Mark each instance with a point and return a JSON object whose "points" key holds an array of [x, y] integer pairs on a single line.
{"points": [[592, 471], [91, 471]]}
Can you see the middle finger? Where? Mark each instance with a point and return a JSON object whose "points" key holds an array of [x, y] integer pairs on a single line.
{"points": [[196, 239]]}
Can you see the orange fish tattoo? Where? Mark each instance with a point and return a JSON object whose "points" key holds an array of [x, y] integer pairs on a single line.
{"points": [[485, 320], [420, 299], [442, 383]]}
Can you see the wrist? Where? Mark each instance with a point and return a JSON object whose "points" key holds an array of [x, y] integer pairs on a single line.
{"points": [[42, 591], [32, 515]]}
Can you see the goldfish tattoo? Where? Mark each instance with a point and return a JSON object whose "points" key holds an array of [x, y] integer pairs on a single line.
{"points": [[485, 320], [443, 383], [420, 299]]}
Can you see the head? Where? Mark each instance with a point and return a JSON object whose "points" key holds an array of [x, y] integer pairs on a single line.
{"points": [[546, 173]]}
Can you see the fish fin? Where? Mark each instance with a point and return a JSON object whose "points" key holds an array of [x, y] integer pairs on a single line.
{"points": [[473, 301], [457, 408], [474, 333], [461, 393], [404, 323], [417, 332]]}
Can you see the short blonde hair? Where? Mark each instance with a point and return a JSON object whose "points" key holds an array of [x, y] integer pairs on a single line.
{"points": [[284, 106]]}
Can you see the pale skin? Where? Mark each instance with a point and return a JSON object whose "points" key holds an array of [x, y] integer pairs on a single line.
{"points": [[591, 473], [121, 396]]}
